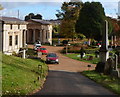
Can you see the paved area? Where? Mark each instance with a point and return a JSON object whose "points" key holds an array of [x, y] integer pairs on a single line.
{"points": [[71, 83], [67, 64], [65, 78]]}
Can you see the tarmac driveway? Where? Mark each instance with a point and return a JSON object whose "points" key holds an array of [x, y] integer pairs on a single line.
{"points": [[67, 64], [65, 78]]}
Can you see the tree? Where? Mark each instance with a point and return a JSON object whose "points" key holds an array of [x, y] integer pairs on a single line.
{"points": [[32, 16], [55, 31], [91, 19], [68, 15], [1, 7], [67, 28]]}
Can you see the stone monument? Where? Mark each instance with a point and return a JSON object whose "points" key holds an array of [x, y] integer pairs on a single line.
{"points": [[115, 71], [104, 53]]}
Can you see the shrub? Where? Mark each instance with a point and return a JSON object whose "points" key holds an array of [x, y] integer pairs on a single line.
{"points": [[47, 43], [87, 51], [64, 42], [77, 44], [81, 36]]}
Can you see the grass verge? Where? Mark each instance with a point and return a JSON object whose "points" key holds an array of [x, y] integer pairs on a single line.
{"points": [[112, 84], [76, 57], [21, 76]]}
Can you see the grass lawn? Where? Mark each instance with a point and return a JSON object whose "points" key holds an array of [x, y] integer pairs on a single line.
{"points": [[75, 56], [20, 76], [108, 82]]}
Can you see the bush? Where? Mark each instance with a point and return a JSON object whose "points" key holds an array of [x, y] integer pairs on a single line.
{"points": [[54, 42], [87, 51], [81, 36], [14, 53], [70, 51], [77, 44], [90, 51], [64, 42], [47, 43]]}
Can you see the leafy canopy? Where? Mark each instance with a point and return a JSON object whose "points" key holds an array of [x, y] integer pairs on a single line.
{"points": [[33, 16], [68, 15], [1, 7], [91, 19]]}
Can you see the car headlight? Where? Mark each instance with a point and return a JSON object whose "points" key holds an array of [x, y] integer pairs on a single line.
{"points": [[57, 60]]}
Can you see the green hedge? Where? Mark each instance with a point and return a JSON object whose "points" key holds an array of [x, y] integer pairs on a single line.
{"points": [[88, 51]]}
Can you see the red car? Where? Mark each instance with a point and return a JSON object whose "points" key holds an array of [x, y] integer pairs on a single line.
{"points": [[43, 50], [52, 58]]}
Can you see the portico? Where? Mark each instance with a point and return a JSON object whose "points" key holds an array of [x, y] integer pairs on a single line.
{"points": [[39, 30]]}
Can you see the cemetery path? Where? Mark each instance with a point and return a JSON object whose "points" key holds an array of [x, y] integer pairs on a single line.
{"points": [[65, 78], [67, 64]]}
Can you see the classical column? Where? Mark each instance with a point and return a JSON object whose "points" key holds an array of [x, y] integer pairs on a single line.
{"points": [[25, 31], [33, 35], [43, 35], [13, 41], [27, 36], [41, 39]]}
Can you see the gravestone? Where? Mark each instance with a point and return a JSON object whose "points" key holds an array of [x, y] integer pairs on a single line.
{"points": [[39, 54], [109, 65], [115, 71]]}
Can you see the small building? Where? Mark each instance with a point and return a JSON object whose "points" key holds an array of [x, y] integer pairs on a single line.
{"points": [[39, 30], [12, 34]]}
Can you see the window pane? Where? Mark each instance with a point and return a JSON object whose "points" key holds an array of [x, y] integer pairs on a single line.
{"points": [[10, 40], [18, 26], [10, 26], [16, 40]]}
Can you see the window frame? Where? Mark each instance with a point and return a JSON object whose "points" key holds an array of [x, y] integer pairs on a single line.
{"points": [[11, 26], [18, 26], [16, 39], [10, 40]]}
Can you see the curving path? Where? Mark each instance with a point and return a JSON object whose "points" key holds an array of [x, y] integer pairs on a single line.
{"points": [[65, 79]]}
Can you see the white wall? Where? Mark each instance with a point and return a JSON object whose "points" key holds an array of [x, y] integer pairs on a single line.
{"points": [[1, 36], [48, 30], [12, 32]]}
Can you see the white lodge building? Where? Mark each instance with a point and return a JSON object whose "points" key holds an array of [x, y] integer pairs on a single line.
{"points": [[12, 34], [39, 30], [15, 33]]}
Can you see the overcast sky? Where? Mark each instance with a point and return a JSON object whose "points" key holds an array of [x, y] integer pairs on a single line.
{"points": [[47, 9]]}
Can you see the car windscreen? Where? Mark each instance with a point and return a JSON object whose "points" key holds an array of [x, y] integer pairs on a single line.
{"points": [[51, 55], [42, 48], [38, 46]]}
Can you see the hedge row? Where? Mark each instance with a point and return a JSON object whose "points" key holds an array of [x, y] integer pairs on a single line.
{"points": [[88, 51]]}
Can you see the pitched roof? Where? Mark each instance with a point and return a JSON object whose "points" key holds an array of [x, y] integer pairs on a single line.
{"points": [[41, 21], [54, 22], [12, 20]]}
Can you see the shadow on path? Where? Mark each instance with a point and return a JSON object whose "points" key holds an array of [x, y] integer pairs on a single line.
{"points": [[71, 83]]}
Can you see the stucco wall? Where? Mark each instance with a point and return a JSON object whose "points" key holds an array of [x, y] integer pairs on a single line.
{"points": [[12, 32], [1, 35], [43, 30], [48, 30]]}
